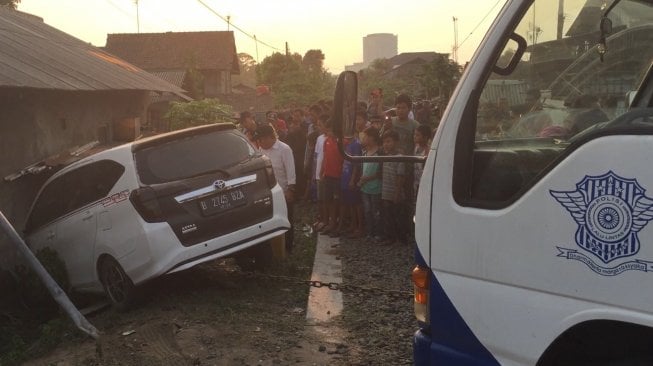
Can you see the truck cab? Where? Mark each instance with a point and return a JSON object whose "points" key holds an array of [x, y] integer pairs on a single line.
{"points": [[532, 222]]}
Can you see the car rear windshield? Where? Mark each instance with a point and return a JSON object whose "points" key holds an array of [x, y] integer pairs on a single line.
{"points": [[192, 156]]}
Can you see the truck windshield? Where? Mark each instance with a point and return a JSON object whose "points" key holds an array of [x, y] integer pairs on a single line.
{"points": [[560, 88]]}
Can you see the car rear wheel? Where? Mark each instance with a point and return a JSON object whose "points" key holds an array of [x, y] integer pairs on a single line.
{"points": [[117, 285]]}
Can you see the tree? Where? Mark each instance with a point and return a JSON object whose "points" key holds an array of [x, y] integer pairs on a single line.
{"points": [[439, 77], [247, 70], [196, 113], [273, 68], [376, 76], [313, 61], [194, 81], [10, 3], [296, 80]]}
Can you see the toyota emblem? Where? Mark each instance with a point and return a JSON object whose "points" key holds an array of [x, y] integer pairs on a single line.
{"points": [[219, 184]]}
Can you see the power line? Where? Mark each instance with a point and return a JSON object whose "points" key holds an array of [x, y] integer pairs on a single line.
{"points": [[479, 23], [228, 21], [110, 2]]}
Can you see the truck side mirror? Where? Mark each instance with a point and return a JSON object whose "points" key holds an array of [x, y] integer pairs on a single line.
{"points": [[344, 119], [345, 103]]}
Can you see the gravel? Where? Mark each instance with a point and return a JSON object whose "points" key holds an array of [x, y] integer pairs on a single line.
{"points": [[379, 324]]}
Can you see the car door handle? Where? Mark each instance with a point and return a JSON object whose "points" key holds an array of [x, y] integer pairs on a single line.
{"points": [[86, 218]]}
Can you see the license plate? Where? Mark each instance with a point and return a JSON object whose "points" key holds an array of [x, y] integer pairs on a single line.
{"points": [[223, 202]]}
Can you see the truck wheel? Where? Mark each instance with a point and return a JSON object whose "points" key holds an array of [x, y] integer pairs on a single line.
{"points": [[117, 285]]}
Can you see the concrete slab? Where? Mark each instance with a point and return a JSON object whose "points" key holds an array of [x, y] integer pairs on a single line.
{"points": [[325, 304]]}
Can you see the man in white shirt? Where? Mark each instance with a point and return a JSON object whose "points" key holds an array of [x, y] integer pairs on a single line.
{"points": [[283, 165], [319, 157]]}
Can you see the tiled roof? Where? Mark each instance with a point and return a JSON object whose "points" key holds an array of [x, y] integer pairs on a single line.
{"points": [[36, 55], [176, 50]]}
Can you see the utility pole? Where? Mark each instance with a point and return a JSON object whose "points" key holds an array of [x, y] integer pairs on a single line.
{"points": [[455, 39], [256, 44], [228, 22], [561, 17], [138, 22], [287, 50]]}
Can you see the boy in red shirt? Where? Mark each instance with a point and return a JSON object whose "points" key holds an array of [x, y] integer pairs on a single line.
{"points": [[330, 173]]}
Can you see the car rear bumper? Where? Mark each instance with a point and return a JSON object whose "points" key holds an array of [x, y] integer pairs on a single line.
{"points": [[164, 253]]}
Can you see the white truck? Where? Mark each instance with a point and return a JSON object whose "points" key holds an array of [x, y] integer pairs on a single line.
{"points": [[532, 223]]}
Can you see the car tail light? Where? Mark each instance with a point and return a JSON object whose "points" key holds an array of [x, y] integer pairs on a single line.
{"points": [[420, 278], [146, 203], [269, 172]]}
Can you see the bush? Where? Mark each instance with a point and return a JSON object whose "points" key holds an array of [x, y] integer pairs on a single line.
{"points": [[32, 289], [196, 113]]}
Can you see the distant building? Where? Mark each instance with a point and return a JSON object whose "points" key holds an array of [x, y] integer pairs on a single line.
{"points": [[213, 54], [172, 55], [375, 46], [408, 64], [355, 67], [379, 45]]}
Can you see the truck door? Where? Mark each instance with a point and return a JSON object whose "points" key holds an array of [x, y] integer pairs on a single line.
{"points": [[543, 190]]}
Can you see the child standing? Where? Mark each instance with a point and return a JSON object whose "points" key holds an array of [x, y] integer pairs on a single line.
{"points": [[393, 200], [351, 204], [370, 185], [330, 174]]}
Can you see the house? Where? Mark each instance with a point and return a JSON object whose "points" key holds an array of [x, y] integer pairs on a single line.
{"points": [[409, 64], [200, 62], [59, 96]]}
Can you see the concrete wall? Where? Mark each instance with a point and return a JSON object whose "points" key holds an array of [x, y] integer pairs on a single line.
{"points": [[38, 124]]}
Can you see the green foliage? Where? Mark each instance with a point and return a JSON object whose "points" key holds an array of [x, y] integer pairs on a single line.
{"points": [[17, 343], [31, 329], [10, 3], [376, 76], [13, 348], [194, 80], [247, 70], [295, 80], [439, 77], [33, 290], [196, 113]]}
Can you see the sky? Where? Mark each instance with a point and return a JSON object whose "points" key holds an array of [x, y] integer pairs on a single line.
{"points": [[337, 27]]}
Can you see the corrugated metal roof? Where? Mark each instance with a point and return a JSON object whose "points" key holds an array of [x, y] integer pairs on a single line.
{"points": [[512, 90], [173, 77], [36, 55]]}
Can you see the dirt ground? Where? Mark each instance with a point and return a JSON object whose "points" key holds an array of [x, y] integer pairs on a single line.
{"points": [[205, 316], [215, 314]]}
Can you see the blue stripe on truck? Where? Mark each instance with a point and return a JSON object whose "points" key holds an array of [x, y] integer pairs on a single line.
{"points": [[448, 340]]}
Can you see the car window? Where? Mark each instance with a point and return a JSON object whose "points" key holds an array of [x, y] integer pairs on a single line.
{"points": [[192, 156], [90, 183], [73, 190], [48, 206]]}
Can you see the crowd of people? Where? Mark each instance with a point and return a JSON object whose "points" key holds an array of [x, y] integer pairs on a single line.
{"points": [[369, 200]]}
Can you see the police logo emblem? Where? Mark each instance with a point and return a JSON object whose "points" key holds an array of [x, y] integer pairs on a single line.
{"points": [[610, 211], [219, 184]]}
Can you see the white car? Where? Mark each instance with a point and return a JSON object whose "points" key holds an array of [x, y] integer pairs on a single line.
{"points": [[154, 206]]}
